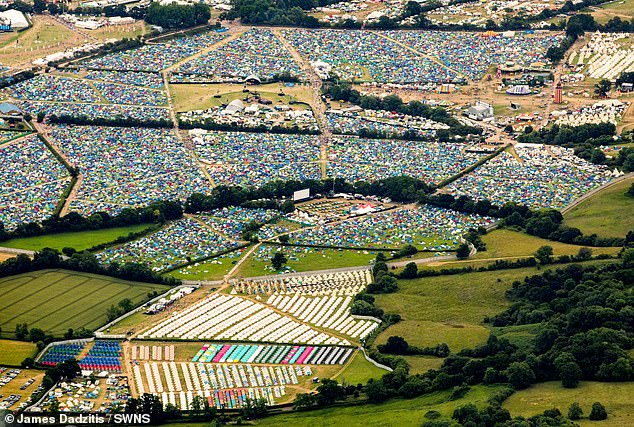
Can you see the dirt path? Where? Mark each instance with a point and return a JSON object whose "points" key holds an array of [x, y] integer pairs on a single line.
{"points": [[319, 108], [419, 53]]}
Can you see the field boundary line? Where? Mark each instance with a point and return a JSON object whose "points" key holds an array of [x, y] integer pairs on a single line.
{"points": [[597, 190]]}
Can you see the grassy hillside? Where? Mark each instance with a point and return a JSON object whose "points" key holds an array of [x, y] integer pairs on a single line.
{"points": [[508, 243], [448, 308], [616, 397], [605, 214], [396, 413]]}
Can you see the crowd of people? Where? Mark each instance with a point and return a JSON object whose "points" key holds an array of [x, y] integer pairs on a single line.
{"points": [[255, 52], [32, 181], [127, 167], [384, 122], [182, 241], [427, 228], [356, 159], [154, 57], [252, 159], [366, 55], [540, 177], [471, 54]]}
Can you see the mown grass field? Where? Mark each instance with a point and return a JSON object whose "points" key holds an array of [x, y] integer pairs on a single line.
{"points": [[448, 308], [616, 397], [605, 214], [422, 364], [508, 244], [187, 97], [314, 259], [12, 353], [80, 240], [359, 371], [213, 269], [55, 300]]}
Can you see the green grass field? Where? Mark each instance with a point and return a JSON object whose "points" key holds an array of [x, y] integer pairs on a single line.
{"points": [[55, 300], [422, 364], [187, 97], [616, 397], [604, 213], [396, 412], [313, 259], [448, 308], [213, 269], [508, 243], [624, 9], [359, 371], [12, 353], [78, 240]]}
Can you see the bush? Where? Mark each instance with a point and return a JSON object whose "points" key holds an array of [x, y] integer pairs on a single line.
{"points": [[598, 412], [575, 412]]}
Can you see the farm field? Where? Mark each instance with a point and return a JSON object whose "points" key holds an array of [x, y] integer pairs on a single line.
{"points": [[359, 371], [55, 300], [616, 397], [213, 269], [505, 243], [422, 364], [12, 353], [448, 308], [602, 214], [79, 241]]}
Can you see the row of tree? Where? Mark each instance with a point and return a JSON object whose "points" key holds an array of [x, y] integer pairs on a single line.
{"points": [[345, 92], [154, 213], [545, 223], [177, 16], [117, 121], [84, 262], [399, 189]]}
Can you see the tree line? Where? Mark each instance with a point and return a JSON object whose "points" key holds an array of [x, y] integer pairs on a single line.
{"points": [[118, 121], [585, 332], [177, 16], [544, 223], [155, 213], [345, 92], [84, 262]]}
